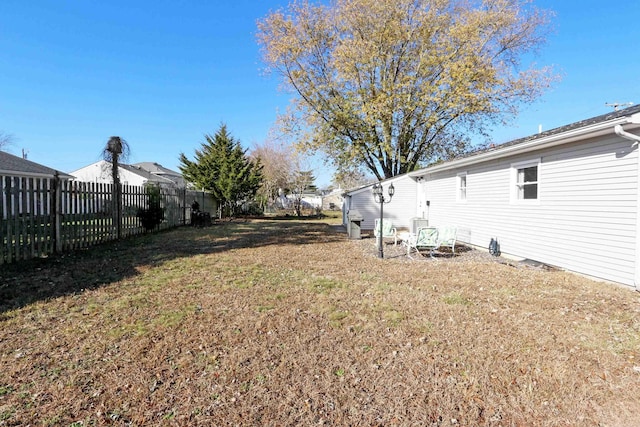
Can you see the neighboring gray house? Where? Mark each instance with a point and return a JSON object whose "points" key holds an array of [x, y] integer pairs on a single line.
{"points": [[11, 165], [16, 172], [568, 197], [159, 170]]}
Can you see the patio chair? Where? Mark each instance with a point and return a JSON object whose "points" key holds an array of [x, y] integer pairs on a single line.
{"points": [[425, 238], [432, 239], [447, 236], [388, 230]]}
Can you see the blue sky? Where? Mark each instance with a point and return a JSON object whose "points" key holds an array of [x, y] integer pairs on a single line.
{"points": [[163, 73]]}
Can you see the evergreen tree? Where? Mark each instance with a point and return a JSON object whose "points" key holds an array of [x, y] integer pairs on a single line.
{"points": [[222, 168]]}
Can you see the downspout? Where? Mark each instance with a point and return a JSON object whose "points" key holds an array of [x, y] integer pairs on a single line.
{"points": [[630, 136], [636, 139]]}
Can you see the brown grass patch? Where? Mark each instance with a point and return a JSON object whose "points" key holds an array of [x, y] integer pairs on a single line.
{"points": [[289, 323]]}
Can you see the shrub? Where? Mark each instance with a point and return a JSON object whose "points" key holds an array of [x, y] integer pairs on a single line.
{"points": [[153, 215]]}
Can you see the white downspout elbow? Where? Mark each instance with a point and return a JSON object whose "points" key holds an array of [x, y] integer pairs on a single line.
{"points": [[630, 136]]}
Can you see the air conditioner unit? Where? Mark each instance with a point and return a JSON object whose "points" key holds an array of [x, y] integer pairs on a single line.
{"points": [[418, 223]]}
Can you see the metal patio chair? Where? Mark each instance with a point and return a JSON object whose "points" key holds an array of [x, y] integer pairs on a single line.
{"points": [[388, 230]]}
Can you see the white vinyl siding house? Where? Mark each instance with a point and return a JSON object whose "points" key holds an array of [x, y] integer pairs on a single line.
{"points": [[568, 197], [524, 181], [461, 187], [570, 204], [400, 209], [584, 217]]}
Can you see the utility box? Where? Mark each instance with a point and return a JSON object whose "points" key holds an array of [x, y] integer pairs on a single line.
{"points": [[418, 223], [355, 221]]}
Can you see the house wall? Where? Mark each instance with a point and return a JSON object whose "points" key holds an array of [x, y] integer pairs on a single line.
{"points": [[332, 201], [95, 172], [101, 172], [130, 178], [400, 209], [585, 218]]}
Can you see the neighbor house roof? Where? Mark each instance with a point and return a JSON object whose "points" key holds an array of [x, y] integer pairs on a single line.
{"points": [[17, 166], [368, 187], [103, 169], [595, 126], [158, 169], [150, 177]]}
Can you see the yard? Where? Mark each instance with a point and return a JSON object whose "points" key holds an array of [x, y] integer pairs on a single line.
{"points": [[286, 322]]}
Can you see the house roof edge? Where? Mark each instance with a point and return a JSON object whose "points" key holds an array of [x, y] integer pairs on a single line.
{"points": [[536, 142], [368, 186]]}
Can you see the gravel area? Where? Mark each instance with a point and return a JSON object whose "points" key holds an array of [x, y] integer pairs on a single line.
{"points": [[463, 253]]}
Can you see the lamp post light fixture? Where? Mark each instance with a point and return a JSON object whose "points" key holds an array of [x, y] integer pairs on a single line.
{"points": [[379, 197]]}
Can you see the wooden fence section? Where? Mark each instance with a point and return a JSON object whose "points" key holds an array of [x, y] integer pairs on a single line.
{"points": [[41, 216]]}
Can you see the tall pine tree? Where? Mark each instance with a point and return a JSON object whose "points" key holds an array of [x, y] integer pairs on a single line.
{"points": [[222, 168]]}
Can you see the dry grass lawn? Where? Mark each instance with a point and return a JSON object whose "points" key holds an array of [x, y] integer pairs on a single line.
{"points": [[282, 323]]}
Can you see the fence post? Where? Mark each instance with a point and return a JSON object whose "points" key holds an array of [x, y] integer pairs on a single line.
{"points": [[3, 233], [184, 205], [57, 214], [117, 208]]}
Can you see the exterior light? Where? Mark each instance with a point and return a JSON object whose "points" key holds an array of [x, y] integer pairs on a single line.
{"points": [[379, 197], [377, 190]]}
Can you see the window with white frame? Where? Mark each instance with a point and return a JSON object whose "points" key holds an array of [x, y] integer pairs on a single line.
{"points": [[461, 187], [525, 181]]}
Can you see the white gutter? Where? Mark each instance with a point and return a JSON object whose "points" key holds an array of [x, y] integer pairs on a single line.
{"points": [[368, 186], [536, 144], [630, 136]]}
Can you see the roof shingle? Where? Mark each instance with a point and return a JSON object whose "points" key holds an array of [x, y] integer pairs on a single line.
{"points": [[19, 166]]}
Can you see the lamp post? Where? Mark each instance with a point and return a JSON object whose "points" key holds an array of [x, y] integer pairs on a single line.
{"points": [[379, 197]]}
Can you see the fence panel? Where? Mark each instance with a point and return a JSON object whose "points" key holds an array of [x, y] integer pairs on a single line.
{"points": [[48, 217], [132, 202], [41, 216], [3, 231], [22, 221], [13, 231], [173, 203], [7, 218]]}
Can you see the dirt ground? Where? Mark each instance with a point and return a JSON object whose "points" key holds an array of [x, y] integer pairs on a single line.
{"points": [[283, 323]]}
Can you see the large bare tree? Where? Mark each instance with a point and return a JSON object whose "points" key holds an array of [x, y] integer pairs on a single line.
{"points": [[393, 84], [278, 163]]}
